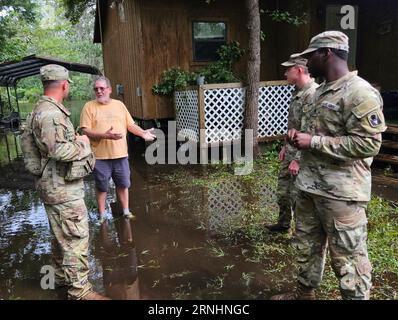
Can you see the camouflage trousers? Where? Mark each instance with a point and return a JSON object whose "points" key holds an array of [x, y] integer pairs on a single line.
{"points": [[286, 193], [69, 225], [342, 227]]}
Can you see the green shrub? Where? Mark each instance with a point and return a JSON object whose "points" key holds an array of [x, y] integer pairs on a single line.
{"points": [[216, 72], [173, 79]]}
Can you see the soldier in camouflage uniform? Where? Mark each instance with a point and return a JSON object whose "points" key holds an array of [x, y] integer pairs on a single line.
{"points": [[341, 133], [55, 137], [297, 74]]}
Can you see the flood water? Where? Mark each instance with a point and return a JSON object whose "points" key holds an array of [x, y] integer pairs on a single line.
{"points": [[172, 251]]}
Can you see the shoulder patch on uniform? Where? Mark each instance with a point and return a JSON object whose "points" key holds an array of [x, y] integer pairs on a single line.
{"points": [[330, 106], [374, 119], [365, 107]]}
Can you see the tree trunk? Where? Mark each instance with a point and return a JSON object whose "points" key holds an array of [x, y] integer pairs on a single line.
{"points": [[253, 71]]}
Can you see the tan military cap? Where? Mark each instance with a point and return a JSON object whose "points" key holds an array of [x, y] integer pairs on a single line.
{"points": [[328, 39], [54, 72], [295, 60]]}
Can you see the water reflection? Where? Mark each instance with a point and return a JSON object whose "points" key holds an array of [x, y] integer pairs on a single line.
{"points": [[10, 146], [119, 260], [24, 245], [170, 249]]}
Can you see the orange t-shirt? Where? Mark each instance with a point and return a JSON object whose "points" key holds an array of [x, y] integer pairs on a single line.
{"points": [[101, 117]]}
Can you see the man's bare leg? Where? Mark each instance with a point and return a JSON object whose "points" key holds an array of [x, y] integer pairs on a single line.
{"points": [[101, 197], [123, 195]]}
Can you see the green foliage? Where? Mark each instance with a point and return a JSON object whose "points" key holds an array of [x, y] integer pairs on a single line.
{"points": [[216, 72], [173, 79], [50, 35], [15, 18], [221, 70], [286, 16], [230, 53], [75, 8]]}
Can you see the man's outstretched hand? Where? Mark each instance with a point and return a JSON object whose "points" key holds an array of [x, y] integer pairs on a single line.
{"points": [[147, 135]]}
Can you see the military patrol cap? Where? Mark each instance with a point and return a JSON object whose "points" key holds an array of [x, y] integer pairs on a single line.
{"points": [[54, 72], [328, 39], [295, 60]]}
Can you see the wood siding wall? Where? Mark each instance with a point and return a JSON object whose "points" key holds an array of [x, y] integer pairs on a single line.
{"points": [[157, 36], [376, 54], [167, 41], [123, 54]]}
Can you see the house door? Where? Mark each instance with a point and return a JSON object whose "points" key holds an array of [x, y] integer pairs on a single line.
{"points": [[333, 22]]}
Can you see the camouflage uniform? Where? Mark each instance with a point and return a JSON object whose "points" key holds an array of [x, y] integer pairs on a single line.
{"points": [[55, 137], [286, 191], [346, 122]]}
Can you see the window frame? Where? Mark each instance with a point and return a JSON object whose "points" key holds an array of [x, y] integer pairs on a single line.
{"points": [[211, 20]]}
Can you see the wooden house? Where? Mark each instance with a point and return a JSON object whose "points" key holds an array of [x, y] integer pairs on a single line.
{"points": [[143, 38]]}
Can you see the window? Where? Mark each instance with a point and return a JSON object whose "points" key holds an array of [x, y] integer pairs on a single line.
{"points": [[207, 38]]}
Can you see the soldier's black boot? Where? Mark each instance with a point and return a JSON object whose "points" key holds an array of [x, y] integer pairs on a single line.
{"points": [[278, 228], [302, 292]]}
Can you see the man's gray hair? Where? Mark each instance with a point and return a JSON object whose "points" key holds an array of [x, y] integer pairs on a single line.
{"points": [[105, 79]]}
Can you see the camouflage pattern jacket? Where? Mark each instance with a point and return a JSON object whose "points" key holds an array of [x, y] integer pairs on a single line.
{"points": [[55, 137], [300, 98], [346, 121]]}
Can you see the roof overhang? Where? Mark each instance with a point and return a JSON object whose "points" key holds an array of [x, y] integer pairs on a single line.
{"points": [[12, 72]]}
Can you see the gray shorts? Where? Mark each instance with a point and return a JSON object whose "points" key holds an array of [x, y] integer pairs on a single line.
{"points": [[117, 169]]}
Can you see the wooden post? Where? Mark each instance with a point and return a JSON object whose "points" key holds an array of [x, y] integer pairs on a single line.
{"points": [[202, 126], [8, 147], [9, 98], [16, 99]]}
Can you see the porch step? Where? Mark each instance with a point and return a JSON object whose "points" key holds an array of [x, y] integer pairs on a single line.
{"points": [[385, 180], [387, 158], [392, 128], [389, 144]]}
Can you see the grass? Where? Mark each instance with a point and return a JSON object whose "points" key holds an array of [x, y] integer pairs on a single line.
{"points": [[274, 253]]}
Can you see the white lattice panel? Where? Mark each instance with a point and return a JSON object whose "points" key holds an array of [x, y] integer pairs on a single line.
{"points": [[224, 113], [187, 114], [224, 203], [273, 110]]}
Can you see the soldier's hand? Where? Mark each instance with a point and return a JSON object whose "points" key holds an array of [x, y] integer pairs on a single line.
{"points": [[282, 154], [111, 135], [294, 167], [302, 140], [83, 138], [147, 135], [291, 134]]}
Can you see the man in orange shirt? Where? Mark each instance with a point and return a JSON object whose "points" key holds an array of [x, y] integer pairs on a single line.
{"points": [[106, 122]]}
